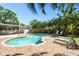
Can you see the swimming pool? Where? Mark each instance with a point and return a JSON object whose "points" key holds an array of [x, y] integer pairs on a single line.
{"points": [[26, 40]]}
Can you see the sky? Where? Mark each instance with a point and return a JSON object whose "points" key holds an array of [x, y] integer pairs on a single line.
{"points": [[25, 15]]}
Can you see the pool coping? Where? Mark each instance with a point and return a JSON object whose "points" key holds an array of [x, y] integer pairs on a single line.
{"points": [[3, 43]]}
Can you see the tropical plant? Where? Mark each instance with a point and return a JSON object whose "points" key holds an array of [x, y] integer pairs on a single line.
{"points": [[68, 21], [69, 24]]}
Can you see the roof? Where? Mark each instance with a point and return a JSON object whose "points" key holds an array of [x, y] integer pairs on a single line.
{"points": [[1, 24]]}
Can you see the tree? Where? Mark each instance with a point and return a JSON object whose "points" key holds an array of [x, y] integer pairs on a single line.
{"points": [[67, 22], [8, 17], [1, 12]]}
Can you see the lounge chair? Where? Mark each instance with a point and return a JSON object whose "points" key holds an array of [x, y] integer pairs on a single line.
{"points": [[61, 33], [56, 34]]}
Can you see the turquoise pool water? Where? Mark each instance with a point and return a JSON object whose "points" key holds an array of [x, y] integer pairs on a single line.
{"points": [[26, 40]]}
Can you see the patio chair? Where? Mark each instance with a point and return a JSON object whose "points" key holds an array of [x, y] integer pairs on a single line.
{"points": [[56, 34], [61, 33]]}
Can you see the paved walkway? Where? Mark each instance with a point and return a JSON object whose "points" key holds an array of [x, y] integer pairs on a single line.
{"points": [[49, 47]]}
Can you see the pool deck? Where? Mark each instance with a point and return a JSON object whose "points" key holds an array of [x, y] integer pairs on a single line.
{"points": [[49, 47]]}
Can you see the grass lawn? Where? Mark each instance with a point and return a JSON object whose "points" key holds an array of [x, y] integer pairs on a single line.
{"points": [[76, 38]]}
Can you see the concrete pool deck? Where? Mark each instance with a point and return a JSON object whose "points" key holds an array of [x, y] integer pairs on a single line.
{"points": [[49, 47]]}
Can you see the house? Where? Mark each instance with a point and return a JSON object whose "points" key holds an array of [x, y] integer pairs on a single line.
{"points": [[11, 29]]}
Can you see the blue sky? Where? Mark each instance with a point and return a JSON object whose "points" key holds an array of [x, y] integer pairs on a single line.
{"points": [[25, 15]]}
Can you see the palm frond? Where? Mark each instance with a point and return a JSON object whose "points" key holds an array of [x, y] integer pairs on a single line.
{"points": [[31, 6], [62, 7], [54, 5], [42, 7]]}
